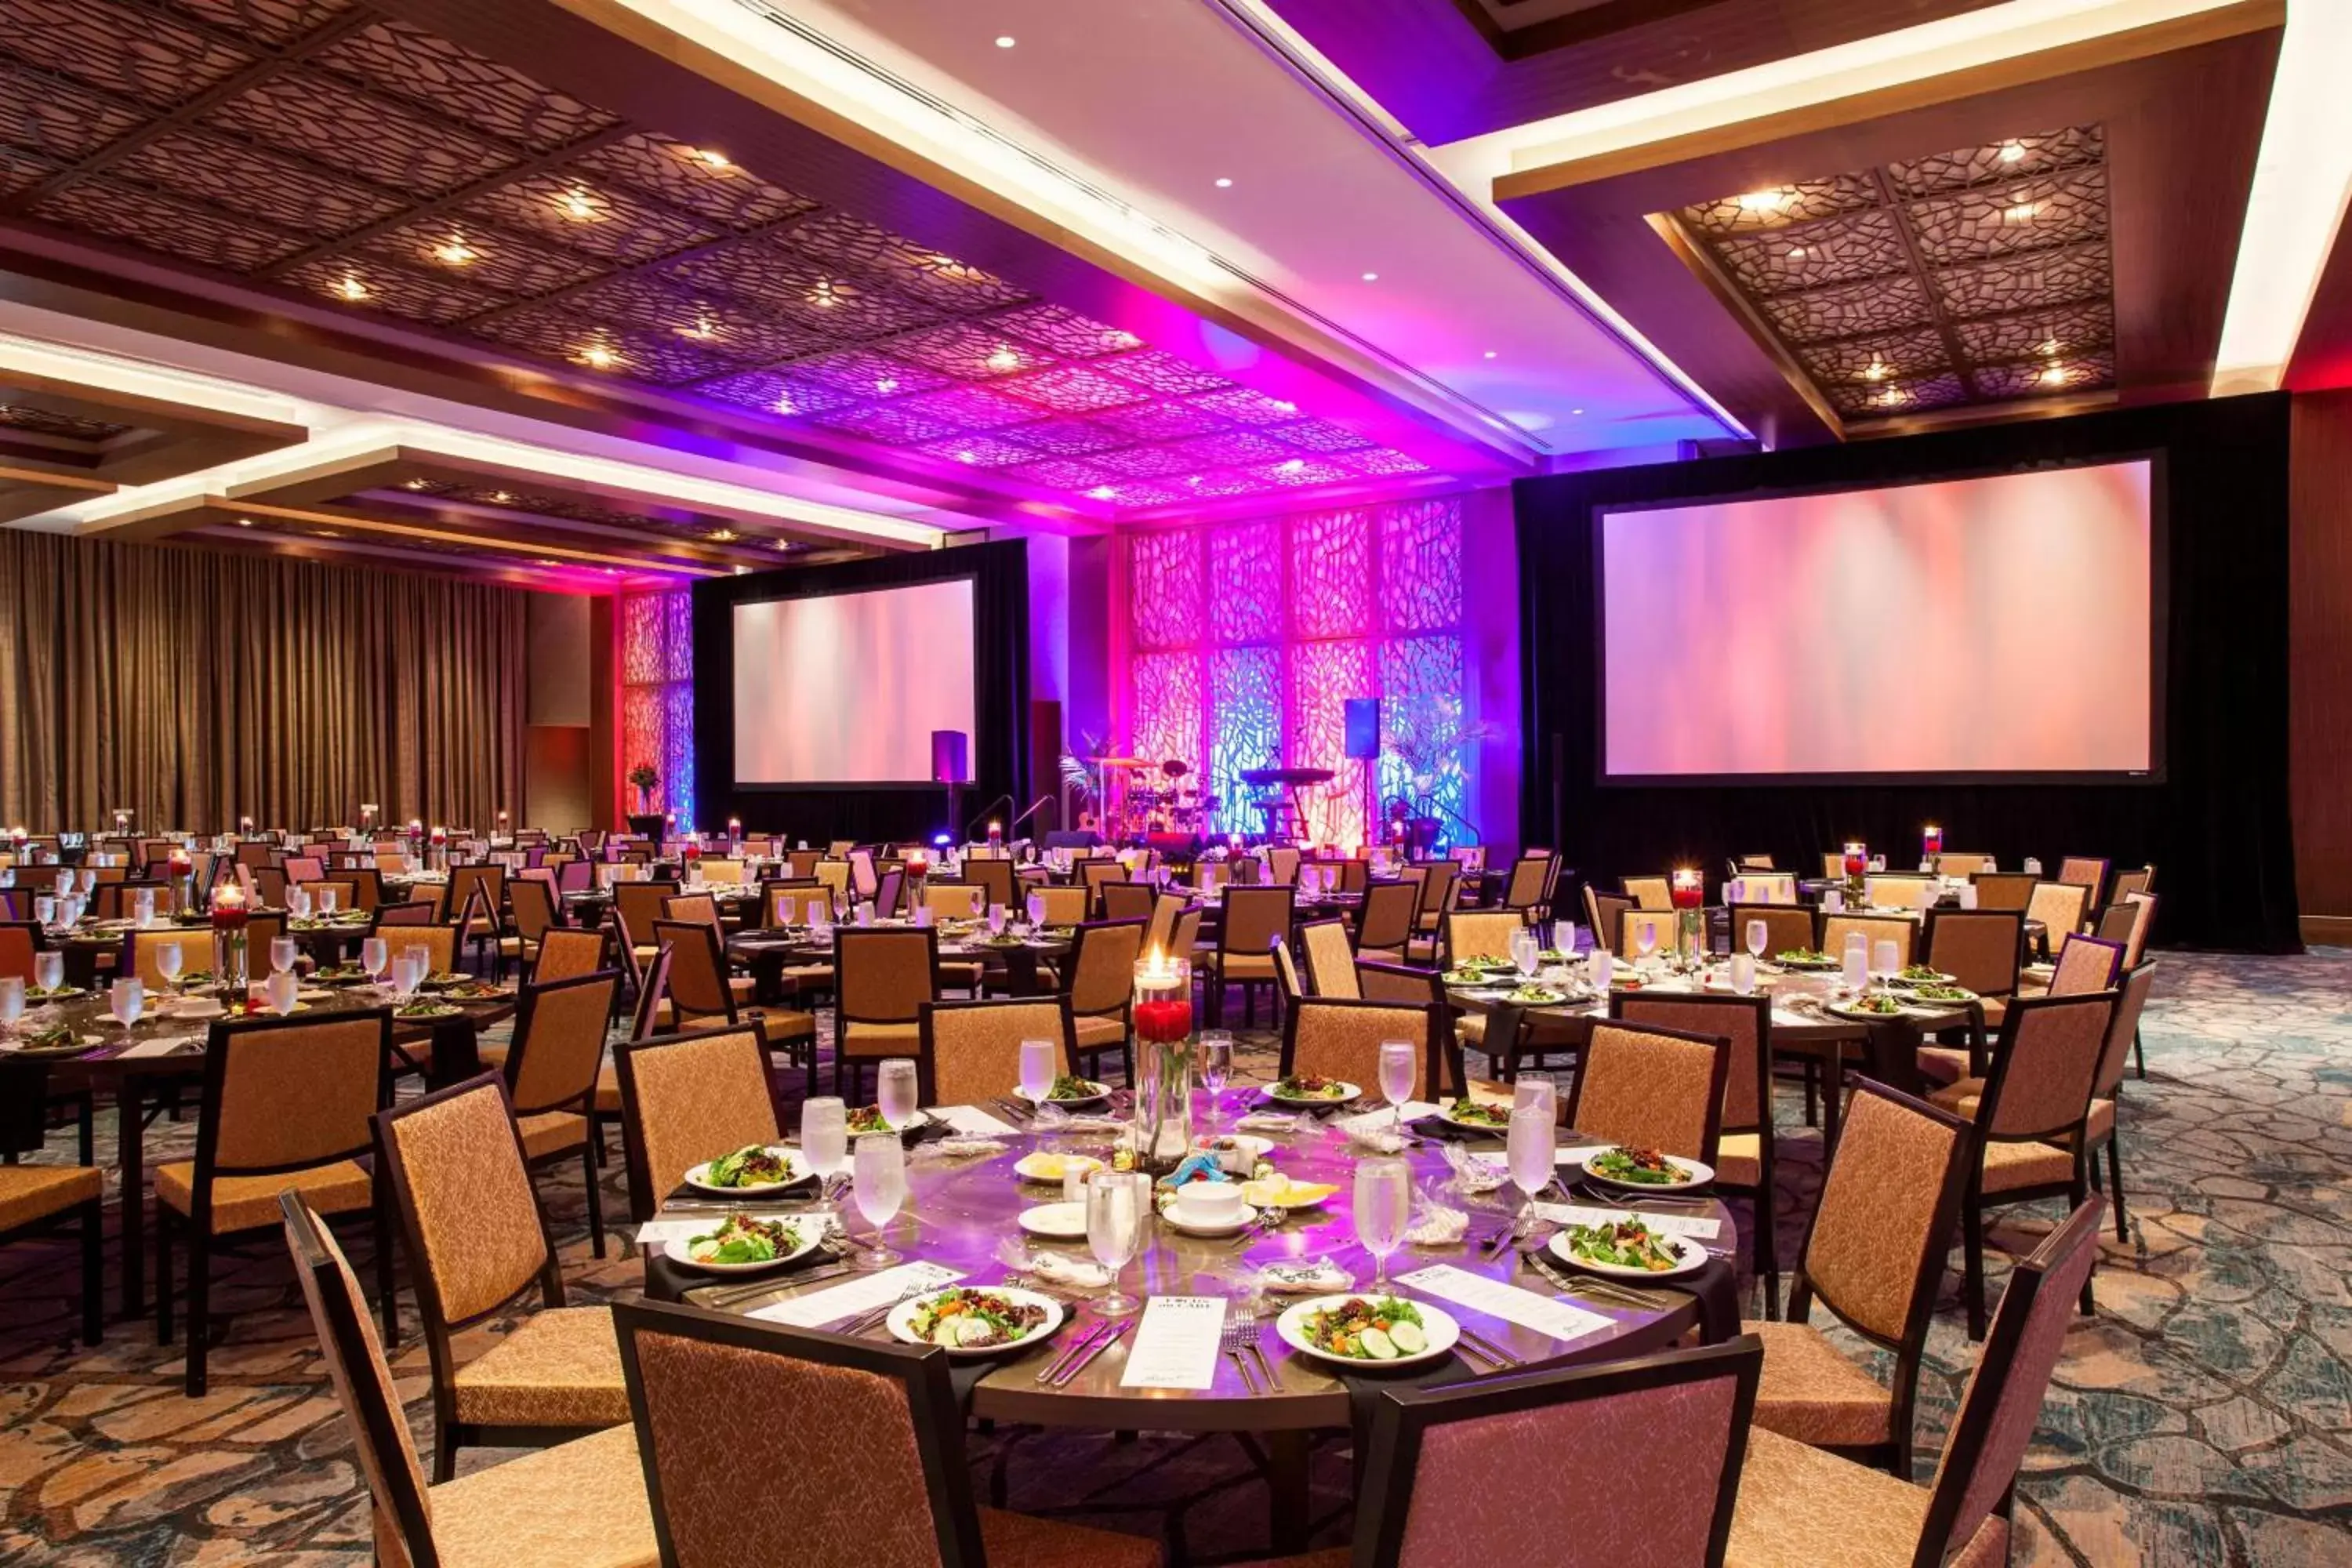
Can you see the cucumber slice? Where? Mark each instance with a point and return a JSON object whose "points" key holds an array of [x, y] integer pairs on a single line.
{"points": [[1378, 1345], [1409, 1339]]}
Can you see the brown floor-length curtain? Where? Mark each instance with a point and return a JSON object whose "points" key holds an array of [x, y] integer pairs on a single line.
{"points": [[194, 687]]}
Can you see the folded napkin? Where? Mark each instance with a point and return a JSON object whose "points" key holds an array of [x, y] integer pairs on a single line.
{"points": [[1091, 1122], [1272, 1121], [1477, 1173], [1437, 1225], [1076, 1273], [1320, 1278], [1376, 1137], [161, 1046], [963, 1148]]}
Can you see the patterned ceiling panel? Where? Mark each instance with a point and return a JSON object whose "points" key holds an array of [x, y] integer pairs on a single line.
{"points": [[65, 427], [320, 147], [523, 505], [1978, 275]]}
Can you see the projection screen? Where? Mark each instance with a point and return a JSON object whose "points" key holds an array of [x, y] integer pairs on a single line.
{"points": [[845, 689], [1996, 626]]}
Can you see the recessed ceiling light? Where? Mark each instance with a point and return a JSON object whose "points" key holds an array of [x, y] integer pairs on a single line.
{"points": [[579, 207], [885, 386], [1192, 478], [1576, 410], [1005, 358], [1005, 40], [1893, 397], [823, 297], [544, 561], [1102, 492], [1770, 201], [785, 404], [723, 535], [350, 287], [1875, 370], [1223, 183], [743, 571], [1372, 277], [703, 330], [414, 485], [245, 522], [1796, 252], [2022, 208], [455, 252], [599, 356], [967, 456], [501, 498], [2011, 152], [329, 534], [710, 158], [2051, 348], [1117, 339], [1294, 466], [2056, 375], [1490, 353]]}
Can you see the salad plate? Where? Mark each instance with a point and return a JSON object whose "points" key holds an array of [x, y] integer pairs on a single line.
{"points": [[1045, 1165], [1628, 1249], [1365, 1330], [1063, 1222], [749, 1171], [1644, 1169], [1068, 1091], [970, 1320], [746, 1244], [1307, 1090], [1474, 1117]]}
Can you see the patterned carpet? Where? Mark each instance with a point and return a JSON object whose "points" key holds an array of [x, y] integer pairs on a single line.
{"points": [[2203, 1416]]}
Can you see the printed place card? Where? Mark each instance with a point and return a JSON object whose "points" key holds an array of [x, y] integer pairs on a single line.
{"points": [[1176, 1345], [1508, 1302], [818, 1307], [974, 1122]]}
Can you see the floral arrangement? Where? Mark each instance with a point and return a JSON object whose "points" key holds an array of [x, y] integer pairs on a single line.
{"points": [[644, 776], [1429, 734]]}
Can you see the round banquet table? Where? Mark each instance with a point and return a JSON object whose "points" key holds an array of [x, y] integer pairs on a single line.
{"points": [[767, 953], [962, 1209], [448, 1049]]}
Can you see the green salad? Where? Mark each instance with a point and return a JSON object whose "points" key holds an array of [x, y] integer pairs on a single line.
{"points": [[55, 1037], [1363, 1329], [1639, 1167], [741, 1239], [425, 1010], [53, 993], [1924, 972], [1068, 1090], [1805, 958], [1942, 994], [1627, 1244], [752, 1165], [1534, 995], [964, 1318], [1469, 1111], [1305, 1086], [1878, 1004]]}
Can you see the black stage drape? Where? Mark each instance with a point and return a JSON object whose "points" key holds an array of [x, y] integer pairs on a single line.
{"points": [[999, 751], [2216, 824]]}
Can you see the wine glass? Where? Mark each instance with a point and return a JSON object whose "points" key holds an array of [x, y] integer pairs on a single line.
{"points": [[825, 1145], [1525, 954], [1115, 1202], [11, 1002], [375, 957], [45, 910], [895, 1091], [879, 1179], [1645, 938], [126, 999], [327, 897], [1037, 908], [48, 971], [297, 902], [1036, 1070], [996, 920], [1396, 1075], [167, 962], [1216, 1070], [788, 910], [1539, 1093], [1531, 1150], [408, 971], [282, 989], [1384, 1210], [282, 953], [1757, 936]]}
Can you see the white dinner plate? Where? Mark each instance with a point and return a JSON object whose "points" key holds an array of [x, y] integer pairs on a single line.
{"points": [[1063, 1222], [1348, 1091], [1484, 1128], [810, 1232], [902, 1321], [1244, 1218], [1100, 1095], [1699, 1174], [797, 1168], [1042, 1165], [1691, 1255], [1435, 1321]]}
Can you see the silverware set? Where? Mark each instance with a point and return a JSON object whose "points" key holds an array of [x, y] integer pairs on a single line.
{"points": [[1485, 1350], [721, 1297], [1240, 1343], [1268, 1221], [1018, 1114], [873, 1317], [1098, 1338]]}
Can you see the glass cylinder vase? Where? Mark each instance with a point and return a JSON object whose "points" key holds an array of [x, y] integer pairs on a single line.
{"points": [[1163, 1012]]}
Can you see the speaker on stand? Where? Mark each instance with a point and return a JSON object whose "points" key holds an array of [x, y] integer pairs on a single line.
{"points": [[952, 766], [1364, 745]]}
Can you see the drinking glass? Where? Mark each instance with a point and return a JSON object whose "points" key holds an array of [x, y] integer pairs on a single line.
{"points": [[1885, 960], [89, 881], [1757, 936], [11, 1002], [788, 910], [282, 989], [996, 920], [1396, 1075], [408, 971], [1037, 908], [375, 957], [297, 903], [282, 953], [1526, 953], [327, 897], [1383, 1211], [1115, 1202], [895, 1091], [1531, 1149], [48, 970], [1855, 961], [1743, 974], [1528, 1091], [167, 962], [879, 1179], [825, 1145], [1646, 937], [126, 999], [1216, 1070], [1599, 965], [1036, 1070]]}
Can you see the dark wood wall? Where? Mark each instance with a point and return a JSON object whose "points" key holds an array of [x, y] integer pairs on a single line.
{"points": [[2319, 631]]}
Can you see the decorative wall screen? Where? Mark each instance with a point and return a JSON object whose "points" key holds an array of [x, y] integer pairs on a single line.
{"points": [[658, 697], [1248, 638]]}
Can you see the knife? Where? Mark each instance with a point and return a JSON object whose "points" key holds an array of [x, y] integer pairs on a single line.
{"points": [[727, 1296], [1092, 1333], [1062, 1378]]}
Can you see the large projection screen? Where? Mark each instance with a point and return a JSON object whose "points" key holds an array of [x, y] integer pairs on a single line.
{"points": [[845, 689], [2001, 626]]}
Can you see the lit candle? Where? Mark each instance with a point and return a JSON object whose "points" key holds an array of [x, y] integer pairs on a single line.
{"points": [[1857, 857], [244, 824], [996, 833], [1688, 890], [1935, 840], [440, 835], [502, 819], [1163, 999]]}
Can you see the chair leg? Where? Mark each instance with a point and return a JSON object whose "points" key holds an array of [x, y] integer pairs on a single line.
{"points": [[388, 1292], [199, 1307], [1813, 1094], [2139, 1057], [1972, 1245], [163, 1274], [93, 1273], [445, 1447], [1768, 1252], [2115, 1184], [595, 1199], [2074, 1196]]}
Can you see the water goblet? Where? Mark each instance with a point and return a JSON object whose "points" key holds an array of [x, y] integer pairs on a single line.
{"points": [[168, 959], [1036, 1070], [1383, 1211], [1757, 935], [12, 1003], [282, 953], [895, 1091], [1037, 908], [126, 999], [375, 957], [1117, 1201], [825, 1145], [1531, 1146], [48, 970], [297, 902], [1216, 1070], [1396, 1075], [878, 1178]]}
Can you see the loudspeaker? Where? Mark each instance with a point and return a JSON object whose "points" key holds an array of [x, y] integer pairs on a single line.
{"points": [[1044, 766], [1364, 728], [950, 760]]}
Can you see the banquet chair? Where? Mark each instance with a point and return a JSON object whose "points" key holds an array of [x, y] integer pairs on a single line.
{"points": [[1980, 949], [891, 892], [689, 1098], [440, 942], [995, 876], [1326, 1038], [1440, 892], [2088, 873], [2085, 963], [551, 1069], [702, 908], [636, 906], [1798, 1504], [1965, 862], [2143, 905], [1330, 958], [346, 892], [1422, 1501], [883, 977], [286, 1107], [115, 900], [787, 901], [1900, 930], [37, 1200], [1752, 863], [1355, 874], [1282, 863], [1650, 1088], [565, 951], [580, 1504], [1063, 906], [1385, 930], [968, 1053], [2061, 908], [1166, 911], [1744, 1161], [2032, 1112], [1633, 925], [1649, 892], [20, 938], [722, 870], [1129, 900], [700, 991], [1253, 918], [801, 864], [2116, 922], [1524, 892], [653, 990], [1208, 876], [2007, 891], [475, 1230], [865, 874], [1767, 887], [1094, 874], [1833, 866], [1479, 934], [1898, 889], [142, 951], [488, 882], [2099, 1129], [414, 912], [532, 897], [1604, 916], [1100, 991], [1873, 1255], [891, 1476], [2126, 883], [1786, 927], [958, 900]]}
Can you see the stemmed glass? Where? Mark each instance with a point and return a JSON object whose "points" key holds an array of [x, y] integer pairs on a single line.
{"points": [[126, 999], [1115, 1202], [1526, 952], [297, 903], [1531, 1149], [48, 971], [825, 1145], [408, 973], [327, 897], [1036, 1070], [1396, 1075], [1645, 938], [1216, 1070], [1037, 908], [996, 915], [282, 953], [1384, 1210], [167, 963], [12, 1003], [375, 957], [894, 1091], [880, 1176], [1756, 937]]}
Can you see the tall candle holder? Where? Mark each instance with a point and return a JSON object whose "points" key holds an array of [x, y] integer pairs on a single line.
{"points": [[1689, 895], [1163, 1012], [1857, 862], [230, 914], [1932, 849]]}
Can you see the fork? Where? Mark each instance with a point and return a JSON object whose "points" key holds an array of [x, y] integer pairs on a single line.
{"points": [[1255, 1346], [1232, 1343]]}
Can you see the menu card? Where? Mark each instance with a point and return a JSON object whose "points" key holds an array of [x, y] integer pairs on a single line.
{"points": [[1176, 1345], [818, 1307], [974, 1122], [1508, 1302], [1383, 1119], [161, 1046], [1697, 1226]]}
